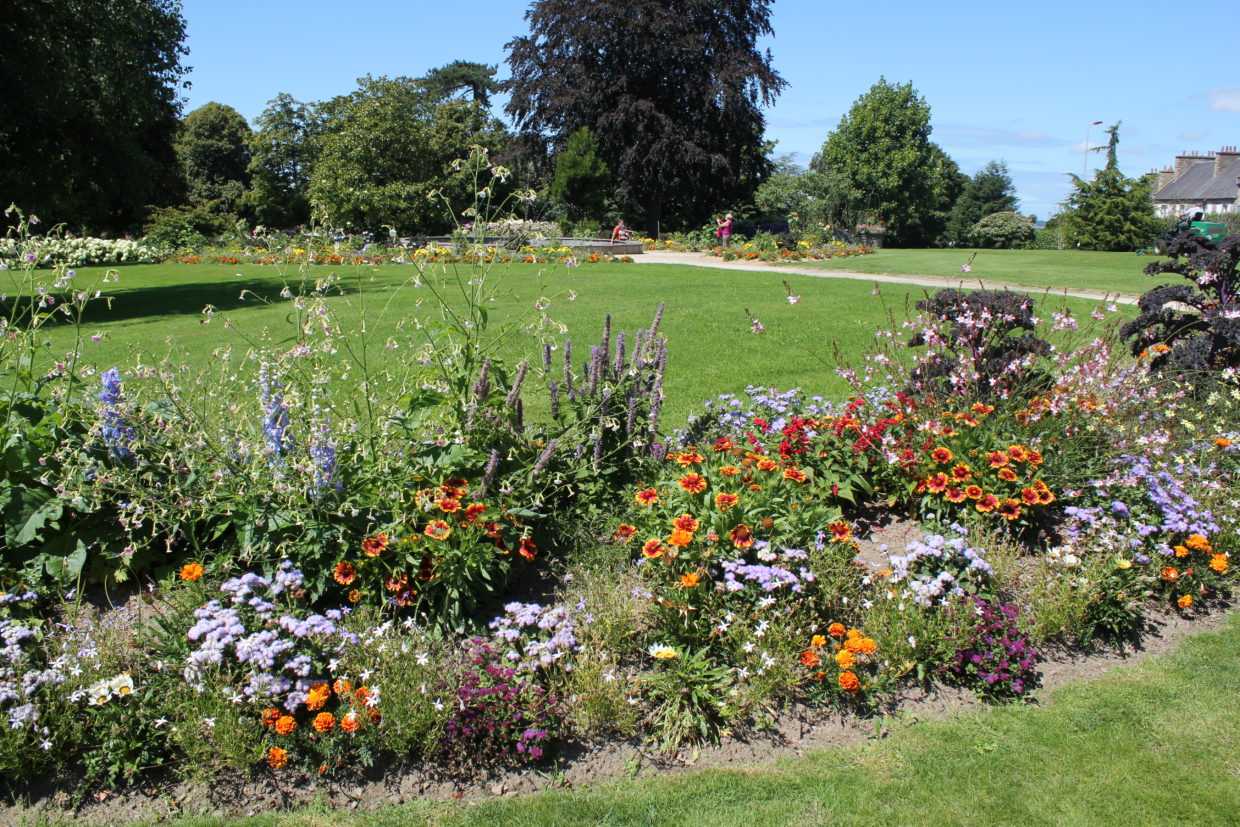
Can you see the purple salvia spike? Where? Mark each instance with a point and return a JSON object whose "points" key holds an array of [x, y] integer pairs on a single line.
{"points": [[519, 408], [595, 368], [515, 393], [488, 476], [598, 452], [546, 358], [618, 365], [568, 362], [555, 400], [544, 458], [658, 317], [606, 343]]}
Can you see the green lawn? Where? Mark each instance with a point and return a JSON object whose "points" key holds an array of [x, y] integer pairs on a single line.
{"points": [[1153, 744], [1087, 270], [157, 308]]}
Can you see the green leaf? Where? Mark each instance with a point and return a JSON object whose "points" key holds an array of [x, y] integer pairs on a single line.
{"points": [[28, 512]]}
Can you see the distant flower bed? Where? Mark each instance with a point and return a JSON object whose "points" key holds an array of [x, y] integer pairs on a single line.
{"points": [[49, 251]]}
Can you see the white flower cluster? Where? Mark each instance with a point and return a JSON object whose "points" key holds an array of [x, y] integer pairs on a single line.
{"points": [[48, 251]]}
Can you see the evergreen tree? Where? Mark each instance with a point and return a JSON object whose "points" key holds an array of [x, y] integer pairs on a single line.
{"points": [[1111, 212], [671, 88], [582, 178], [882, 149], [462, 77], [989, 191]]}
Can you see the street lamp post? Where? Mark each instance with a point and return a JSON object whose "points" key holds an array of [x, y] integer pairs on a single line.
{"points": [[1085, 161]]}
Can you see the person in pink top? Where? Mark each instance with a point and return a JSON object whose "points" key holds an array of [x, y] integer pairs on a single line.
{"points": [[724, 233]]}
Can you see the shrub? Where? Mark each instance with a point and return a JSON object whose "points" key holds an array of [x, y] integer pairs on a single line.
{"points": [[1006, 230]]}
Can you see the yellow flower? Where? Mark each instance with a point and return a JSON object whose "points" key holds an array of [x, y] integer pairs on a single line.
{"points": [[660, 652]]}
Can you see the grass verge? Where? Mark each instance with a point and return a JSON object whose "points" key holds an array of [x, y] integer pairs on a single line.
{"points": [[1150, 744], [1080, 269]]}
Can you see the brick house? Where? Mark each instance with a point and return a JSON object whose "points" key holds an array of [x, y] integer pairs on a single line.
{"points": [[1208, 183]]}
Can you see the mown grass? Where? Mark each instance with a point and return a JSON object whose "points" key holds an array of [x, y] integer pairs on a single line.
{"points": [[1151, 744], [157, 309], [1082, 269]]}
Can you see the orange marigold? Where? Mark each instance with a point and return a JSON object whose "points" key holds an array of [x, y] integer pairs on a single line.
{"points": [[845, 659], [689, 580], [809, 658], [1170, 574], [270, 716], [1197, 543], [680, 538], [866, 646], [342, 687], [276, 758], [1218, 563], [849, 682], [1222, 442], [324, 722], [1180, 551], [285, 725], [350, 722], [191, 571], [836, 630], [1185, 601], [817, 642]]}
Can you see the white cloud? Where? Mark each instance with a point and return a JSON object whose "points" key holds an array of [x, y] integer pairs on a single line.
{"points": [[977, 136], [1225, 100]]}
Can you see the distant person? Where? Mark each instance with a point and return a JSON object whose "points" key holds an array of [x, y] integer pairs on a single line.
{"points": [[621, 232], [724, 233]]}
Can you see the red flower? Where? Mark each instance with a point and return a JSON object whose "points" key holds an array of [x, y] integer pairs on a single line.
{"points": [[941, 455], [437, 530], [693, 483], [1010, 510], [344, 573], [841, 532], [625, 532], [725, 501], [527, 549], [374, 546], [794, 474], [647, 496], [741, 536], [987, 503], [448, 505], [685, 522], [653, 549]]}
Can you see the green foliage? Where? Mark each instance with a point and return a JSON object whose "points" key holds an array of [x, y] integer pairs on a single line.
{"points": [[687, 696], [882, 149], [676, 150], [989, 191], [809, 200], [462, 77], [1002, 229], [1111, 212], [212, 147], [582, 180], [182, 229], [90, 108], [387, 146], [282, 153]]}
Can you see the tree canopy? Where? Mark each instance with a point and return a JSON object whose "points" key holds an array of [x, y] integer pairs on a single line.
{"points": [[882, 149], [1111, 212], [282, 152], [672, 89], [386, 146], [989, 191], [462, 77], [213, 148], [89, 107]]}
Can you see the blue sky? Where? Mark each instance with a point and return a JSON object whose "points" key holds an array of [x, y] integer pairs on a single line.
{"points": [[1020, 83]]}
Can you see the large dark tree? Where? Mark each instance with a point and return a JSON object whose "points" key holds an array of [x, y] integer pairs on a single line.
{"points": [[213, 148], [672, 89], [282, 152], [88, 107]]}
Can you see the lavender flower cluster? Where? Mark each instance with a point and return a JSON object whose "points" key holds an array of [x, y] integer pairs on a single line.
{"points": [[280, 653], [773, 571], [730, 415], [537, 636], [936, 569]]}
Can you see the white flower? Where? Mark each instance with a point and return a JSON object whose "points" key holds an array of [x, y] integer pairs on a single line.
{"points": [[208, 723], [662, 652]]}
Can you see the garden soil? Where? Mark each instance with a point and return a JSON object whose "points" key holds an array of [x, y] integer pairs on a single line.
{"points": [[794, 732], [703, 260]]}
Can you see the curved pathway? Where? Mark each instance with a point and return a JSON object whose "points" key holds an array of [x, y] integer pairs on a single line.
{"points": [[703, 260]]}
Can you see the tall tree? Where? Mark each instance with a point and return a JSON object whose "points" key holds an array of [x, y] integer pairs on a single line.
{"points": [[282, 152], [388, 144], [672, 89], [989, 191], [1111, 212], [462, 77], [213, 148], [882, 148], [582, 178], [89, 106]]}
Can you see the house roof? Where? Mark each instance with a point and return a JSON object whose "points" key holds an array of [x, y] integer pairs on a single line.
{"points": [[1199, 183]]}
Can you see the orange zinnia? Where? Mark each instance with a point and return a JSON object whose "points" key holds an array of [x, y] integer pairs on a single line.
{"points": [[680, 538], [324, 722], [849, 682], [693, 483], [191, 571], [647, 496], [653, 549], [725, 501]]}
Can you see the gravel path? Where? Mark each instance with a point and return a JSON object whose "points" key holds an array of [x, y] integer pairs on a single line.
{"points": [[702, 260]]}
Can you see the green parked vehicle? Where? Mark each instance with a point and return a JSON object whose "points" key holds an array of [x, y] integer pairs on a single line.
{"points": [[1210, 229]]}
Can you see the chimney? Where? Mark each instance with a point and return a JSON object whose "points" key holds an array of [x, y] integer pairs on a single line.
{"points": [[1183, 162], [1224, 157], [1165, 177]]}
